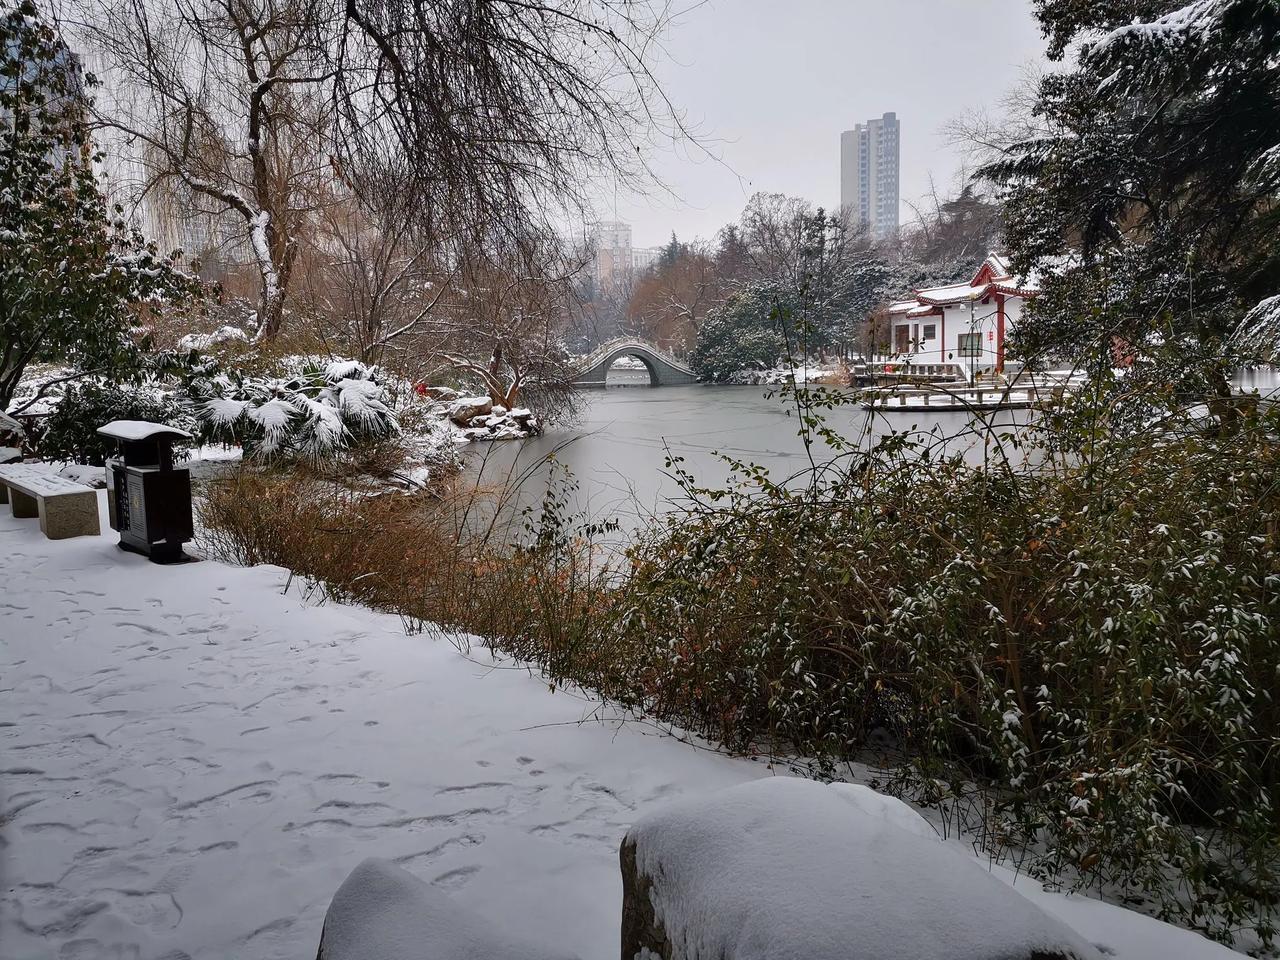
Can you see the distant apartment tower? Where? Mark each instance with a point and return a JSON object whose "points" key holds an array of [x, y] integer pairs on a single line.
{"points": [[642, 258], [612, 254], [869, 175]]}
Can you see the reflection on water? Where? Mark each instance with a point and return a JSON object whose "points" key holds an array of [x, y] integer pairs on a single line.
{"points": [[617, 450]]}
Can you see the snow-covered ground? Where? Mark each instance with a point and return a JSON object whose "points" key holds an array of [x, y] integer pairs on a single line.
{"points": [[192, 759]]}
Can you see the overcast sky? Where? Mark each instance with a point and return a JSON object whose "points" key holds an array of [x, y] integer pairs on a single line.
{"points": [[774, 82]]}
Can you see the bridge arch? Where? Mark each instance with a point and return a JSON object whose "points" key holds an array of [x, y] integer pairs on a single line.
{"points": [[664, 369]]}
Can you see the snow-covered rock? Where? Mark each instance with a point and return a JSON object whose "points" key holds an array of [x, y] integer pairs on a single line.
{"points": [[203, 341], [440, 394], [382, 912], [479, 418], [790, 868], [465, 409], [518, 424]]}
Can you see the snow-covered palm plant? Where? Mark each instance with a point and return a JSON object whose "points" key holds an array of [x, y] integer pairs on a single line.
{"points": [[1259, 332], [315, 414]]}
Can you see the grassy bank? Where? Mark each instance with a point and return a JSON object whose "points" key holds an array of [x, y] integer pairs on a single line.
{"points": [[1084, 656]]}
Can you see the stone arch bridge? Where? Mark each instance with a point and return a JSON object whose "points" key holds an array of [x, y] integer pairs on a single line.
{"points": [[664, 369]]}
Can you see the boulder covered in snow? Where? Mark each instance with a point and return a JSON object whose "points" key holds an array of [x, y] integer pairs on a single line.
{"points": [[502, 424], [465, 409], [439, 394], [204, 341], [382, 912], [790, 868]]}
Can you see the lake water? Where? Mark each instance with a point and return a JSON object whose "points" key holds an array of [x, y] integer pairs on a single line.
{"points": [[617, 449]]}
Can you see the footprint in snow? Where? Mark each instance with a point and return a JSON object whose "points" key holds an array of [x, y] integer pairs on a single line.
{"points": [[455, 879]]}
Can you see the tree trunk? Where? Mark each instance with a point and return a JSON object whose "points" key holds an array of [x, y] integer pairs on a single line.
{"points": [[276, 269]]}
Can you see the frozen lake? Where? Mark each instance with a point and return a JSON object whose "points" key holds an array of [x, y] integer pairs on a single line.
{"points": [[617, 449]]}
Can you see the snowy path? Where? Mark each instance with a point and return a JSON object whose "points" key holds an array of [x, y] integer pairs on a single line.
{"points": [[191, 762]]}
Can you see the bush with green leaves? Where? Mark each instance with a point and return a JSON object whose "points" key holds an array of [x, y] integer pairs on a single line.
{"points": [[70, 431], [315, 414]]}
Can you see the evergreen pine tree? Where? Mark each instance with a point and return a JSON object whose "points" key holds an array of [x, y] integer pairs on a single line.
{"points": [[1152, 193], [670, 253]]}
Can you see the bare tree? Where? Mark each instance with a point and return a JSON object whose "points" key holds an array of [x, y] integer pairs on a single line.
{"points": [[773, 229], [669, 303], [225, 101], [504, 323], [503, 108], [984, 136], [377, 285], [482, 118]]}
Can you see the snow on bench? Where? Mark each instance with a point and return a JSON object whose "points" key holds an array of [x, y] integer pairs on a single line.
{"points": [[65, 508], [38, 482]]}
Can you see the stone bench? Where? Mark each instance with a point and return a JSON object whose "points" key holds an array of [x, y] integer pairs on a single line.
{"points": [[65, 508]]}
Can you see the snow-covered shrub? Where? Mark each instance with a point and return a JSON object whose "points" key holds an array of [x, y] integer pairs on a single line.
{"points": [[315, 414], [744, 333], [70, 431]]}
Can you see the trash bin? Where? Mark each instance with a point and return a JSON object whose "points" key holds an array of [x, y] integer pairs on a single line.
{"points": [[149, 502]]}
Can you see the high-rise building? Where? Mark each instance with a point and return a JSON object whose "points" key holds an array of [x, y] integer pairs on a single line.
{"points": [[869, 175], [612, 254]]}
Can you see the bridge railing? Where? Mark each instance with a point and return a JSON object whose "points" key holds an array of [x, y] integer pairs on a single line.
{"points": [[603, 350]]}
